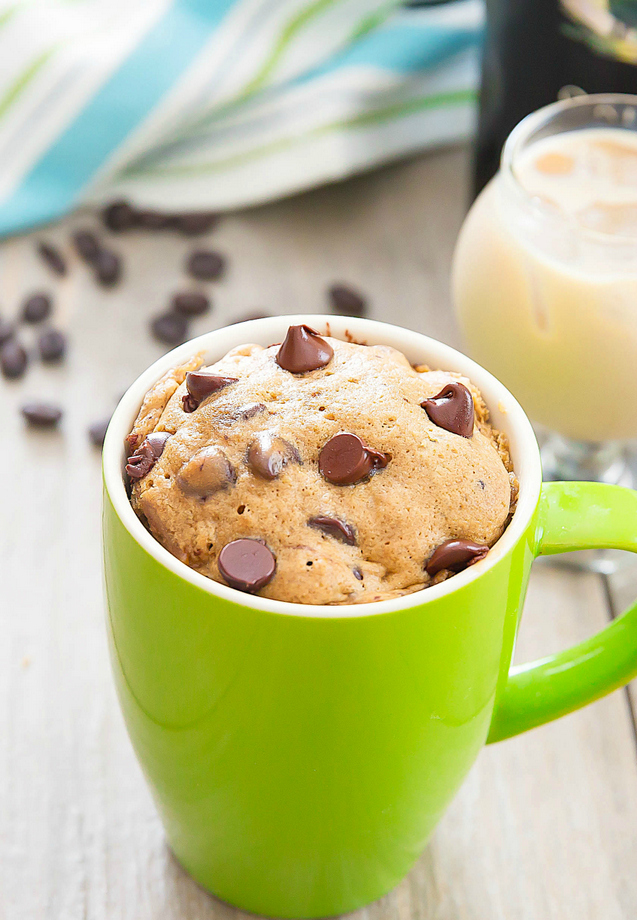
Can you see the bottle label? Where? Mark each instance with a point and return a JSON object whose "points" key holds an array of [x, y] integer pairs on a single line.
{"points": [[607, 27]]}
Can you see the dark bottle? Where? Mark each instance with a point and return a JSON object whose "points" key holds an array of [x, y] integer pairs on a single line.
{"points": [[537, 51]]}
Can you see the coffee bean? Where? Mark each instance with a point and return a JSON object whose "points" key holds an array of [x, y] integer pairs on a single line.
{"points": [[86, 244], [36, 308], [13, 359], [53, 258], [97, 432], [303, 350], [42, 415], [52, 345], [190, 303], [345, 460], [452, 409], [192, 224], [346, 300], [6, 331], [206, 265], [455, 555], [268, 455], [246, 564], [201, 385], [119, 216], [108, 267], [170, 328], [207, 472], [340, 530], [153, 220]]}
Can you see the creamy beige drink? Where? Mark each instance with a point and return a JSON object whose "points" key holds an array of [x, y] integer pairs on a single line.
{"points": [[545, 275]]}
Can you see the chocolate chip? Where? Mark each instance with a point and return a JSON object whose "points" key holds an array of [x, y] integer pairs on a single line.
{"points": [[147, 454], [455, 555], [86, 244], [36, 308], [52, 345], [269, 454], [152, 220], [357, 573], [206, 265], [119, 216], [345, 459], [250, 411], [195, 222], [42, 415], [6, 331], [170, 328], [207, 472], [247, 564], [346, 300], [334, 528], [53, 258], [108, 267], [303, 350], [13, 359], [452, 409], [190, 303], [201, 385], [97, 432]]}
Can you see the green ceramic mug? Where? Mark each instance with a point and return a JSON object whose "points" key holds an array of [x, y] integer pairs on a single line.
{"points": [[301, 756]]}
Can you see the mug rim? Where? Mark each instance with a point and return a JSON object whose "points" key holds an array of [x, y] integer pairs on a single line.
{"points": [[506, 414]]}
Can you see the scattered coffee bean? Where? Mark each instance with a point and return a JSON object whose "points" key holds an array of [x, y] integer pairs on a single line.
{"points": [[86, 244], [97, 432], [170, 328], [152, 220], [53, 258], [36, 308], [455, 555], [303, 350], [206, 265], [268, 455], [334, 528], [346, 300], [452, 409], [119, 217], [192, 224], [13, 359], [108, 267], [207, 472], [147, 454], [246, 564], [52, 345], [42, 415], [201, 385], [6, 331], [345, 460], [190, 303]]}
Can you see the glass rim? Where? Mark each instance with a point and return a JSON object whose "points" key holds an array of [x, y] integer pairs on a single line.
{"points": [[543, 116]]}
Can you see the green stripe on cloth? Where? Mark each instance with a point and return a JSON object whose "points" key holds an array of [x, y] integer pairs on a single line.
{"points": [[23, 79]]}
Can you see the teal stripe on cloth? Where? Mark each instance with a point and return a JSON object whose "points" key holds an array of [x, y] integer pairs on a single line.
{"points": [[152, 68]]}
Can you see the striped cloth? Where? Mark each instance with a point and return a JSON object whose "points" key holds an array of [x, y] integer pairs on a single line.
{"points": [[216, 104]]}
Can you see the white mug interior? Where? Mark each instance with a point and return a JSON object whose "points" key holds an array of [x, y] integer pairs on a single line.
{"points": [[506, 415]]}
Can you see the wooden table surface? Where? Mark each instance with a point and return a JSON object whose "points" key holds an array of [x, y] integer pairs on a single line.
{"points": [[545, 828]]}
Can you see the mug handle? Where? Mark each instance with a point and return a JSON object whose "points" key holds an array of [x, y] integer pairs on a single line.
{"points": [[572, 516]]}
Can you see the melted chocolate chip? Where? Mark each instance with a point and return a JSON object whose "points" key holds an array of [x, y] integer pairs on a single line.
{"points": [[42, 415], [358, 573], [334, 528], [455, 555], [52, 345], [247, 565], [250, 411], [346, 300], [13, 359], [269, 454], [303, 350], [207, 472], [206, 265], [452, 409], [119, 216], [201, 385], [86, 244], [345, 460], [147, 454], [53, 258], [190, 303], [36, 308]]}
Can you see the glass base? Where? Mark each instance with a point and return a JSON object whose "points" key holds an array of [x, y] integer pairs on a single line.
{"points": [[564, 459]]}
